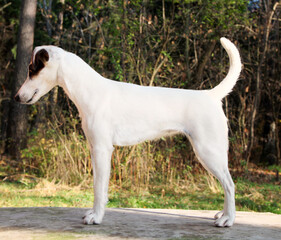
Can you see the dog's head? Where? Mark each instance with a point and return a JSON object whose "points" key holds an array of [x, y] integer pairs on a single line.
{"points": [[42, 75]]}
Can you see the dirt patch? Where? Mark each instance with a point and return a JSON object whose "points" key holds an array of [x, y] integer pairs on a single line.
{"points": [[66, 223]]}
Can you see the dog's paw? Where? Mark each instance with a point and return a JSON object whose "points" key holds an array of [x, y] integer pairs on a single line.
{"points": [[91, 217], [219, 214], [224, 220]]}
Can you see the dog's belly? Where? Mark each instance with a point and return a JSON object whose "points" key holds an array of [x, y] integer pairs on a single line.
{"points": [[134, 134]]}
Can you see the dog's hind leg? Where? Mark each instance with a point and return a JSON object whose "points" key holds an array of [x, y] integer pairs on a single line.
{"points": [[212, 153], [226, 217]]}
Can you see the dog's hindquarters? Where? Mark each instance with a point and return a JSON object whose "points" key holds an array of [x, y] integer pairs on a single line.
{"points": [[209, 138]]}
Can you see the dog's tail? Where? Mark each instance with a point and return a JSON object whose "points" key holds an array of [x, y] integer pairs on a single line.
{"points": [[225, 87]]}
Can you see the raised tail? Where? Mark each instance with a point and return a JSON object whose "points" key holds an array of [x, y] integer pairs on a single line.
{"points": [[225, 87]]}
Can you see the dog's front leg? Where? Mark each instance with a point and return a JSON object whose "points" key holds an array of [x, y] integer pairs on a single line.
{"points": [[101, 159]]}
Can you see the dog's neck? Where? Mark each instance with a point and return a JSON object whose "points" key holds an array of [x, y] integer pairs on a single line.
{"points": [[81, 83]]}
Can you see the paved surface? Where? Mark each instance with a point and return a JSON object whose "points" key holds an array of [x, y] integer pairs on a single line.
{"points": [[66, 223]]}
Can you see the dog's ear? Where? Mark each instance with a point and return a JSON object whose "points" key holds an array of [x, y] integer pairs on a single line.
{"points": [[38, 61], [41, 57]]}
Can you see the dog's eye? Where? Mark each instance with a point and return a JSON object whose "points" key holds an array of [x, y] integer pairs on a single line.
{"points": [[31, 71]]}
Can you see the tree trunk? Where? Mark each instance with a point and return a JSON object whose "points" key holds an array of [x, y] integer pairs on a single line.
{"points": [[17, 122], [187, 44], [123, 37], [268, 26], [48, 11], [205, 58]]}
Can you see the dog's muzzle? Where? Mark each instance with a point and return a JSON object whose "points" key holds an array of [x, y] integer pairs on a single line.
{"points": [[22, 100], [17, 98]]}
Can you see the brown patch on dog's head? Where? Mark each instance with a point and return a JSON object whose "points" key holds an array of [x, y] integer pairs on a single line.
{"points": [[38, 62]]}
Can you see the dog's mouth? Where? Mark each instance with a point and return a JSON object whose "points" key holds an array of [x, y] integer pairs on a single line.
{"points": [[34, 94]]}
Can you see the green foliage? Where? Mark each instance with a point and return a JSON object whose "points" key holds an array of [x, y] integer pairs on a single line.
{"points": [[222, 15]]}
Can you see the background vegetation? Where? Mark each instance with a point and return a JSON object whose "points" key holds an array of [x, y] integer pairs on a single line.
{"points": [[169, 43]]}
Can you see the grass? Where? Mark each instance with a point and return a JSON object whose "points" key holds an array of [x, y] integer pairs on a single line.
{"points": [[43, 194], [192, 194]]}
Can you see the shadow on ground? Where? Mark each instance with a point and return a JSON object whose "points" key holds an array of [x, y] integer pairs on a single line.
{"points": [[66, 223]]}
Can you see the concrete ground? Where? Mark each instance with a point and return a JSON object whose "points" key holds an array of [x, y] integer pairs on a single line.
{"points": [[66, 223]]}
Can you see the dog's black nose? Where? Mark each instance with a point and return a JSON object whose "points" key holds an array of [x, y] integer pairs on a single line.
{"points": [[17, 98]]}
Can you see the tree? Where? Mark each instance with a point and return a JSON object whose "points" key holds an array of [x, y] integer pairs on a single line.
{"points": [[18, 116], [262, 58]]}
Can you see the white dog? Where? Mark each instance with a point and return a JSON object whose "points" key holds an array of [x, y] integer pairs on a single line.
{"points": [[122, 114]]}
